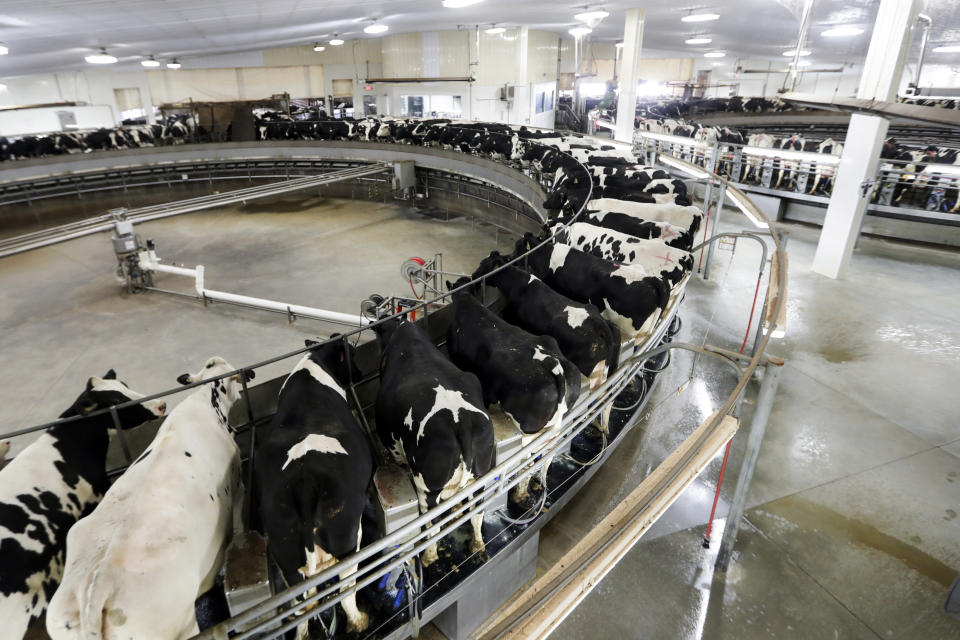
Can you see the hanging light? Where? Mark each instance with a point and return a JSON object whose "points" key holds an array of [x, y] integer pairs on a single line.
{"points": [[793, 52], [459, 4], [700, 17], [173, 64], [838, 32], [336, 42], [3, 49], [150, 62], [579, 32], [714, 54], [592, 18], [100, 58], [376, 27], [494, 30], [698, 40], [318, 47]]}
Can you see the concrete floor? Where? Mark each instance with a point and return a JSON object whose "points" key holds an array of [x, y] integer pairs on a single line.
{"points": [[63, 317], [852, 529]]}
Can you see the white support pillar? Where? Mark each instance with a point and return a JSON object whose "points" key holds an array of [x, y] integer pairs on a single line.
{"points": [[861, 152], [629, 70]]}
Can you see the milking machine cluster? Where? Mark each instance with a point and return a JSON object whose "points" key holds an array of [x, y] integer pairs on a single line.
{"points": [[128, 246]]}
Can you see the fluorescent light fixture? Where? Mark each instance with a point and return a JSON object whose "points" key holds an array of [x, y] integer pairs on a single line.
{"points": [[734, 197], [947, 48], [3, 87], [700, 17], [802, 63], [619, 45], [336, 42], [459, 4], [150, 62], [494, 30], [318, 47], [714, 54], [792, 52], [100, 58], [173, 64], [839, 32], [698, 40], [4, 50], [666, 137], [789, 154], [579, 32], [592, 16], [686, 167], [375, 28]]}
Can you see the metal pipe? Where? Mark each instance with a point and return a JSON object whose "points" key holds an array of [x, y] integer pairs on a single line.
{"points": [[927, 24], [758, 427], [804, 24]]}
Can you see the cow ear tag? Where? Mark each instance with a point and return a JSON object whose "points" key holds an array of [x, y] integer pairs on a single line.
{"points": [[88, 406]]}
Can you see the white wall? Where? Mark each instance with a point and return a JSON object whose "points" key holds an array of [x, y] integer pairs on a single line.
{"points": [[28, 121]]}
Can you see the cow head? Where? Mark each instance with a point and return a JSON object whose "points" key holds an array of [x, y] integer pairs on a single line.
{"points": [[491, 263], [226, 391], [107, 391], [332, 356]]}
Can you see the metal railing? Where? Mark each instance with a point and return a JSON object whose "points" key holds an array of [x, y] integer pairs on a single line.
{"points": [[899, 184]]}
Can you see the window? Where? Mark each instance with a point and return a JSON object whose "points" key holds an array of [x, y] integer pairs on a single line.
{"points": [[548, 106], [438, 106], [411, 106], [540, 100]]}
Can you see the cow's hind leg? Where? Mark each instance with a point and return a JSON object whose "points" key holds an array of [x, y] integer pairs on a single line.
{"points": [[476, 543]]}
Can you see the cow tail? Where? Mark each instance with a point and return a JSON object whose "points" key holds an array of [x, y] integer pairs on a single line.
{"points": [[613, 357]]}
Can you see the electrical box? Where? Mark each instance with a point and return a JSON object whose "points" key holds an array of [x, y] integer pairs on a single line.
{"points": [[507, 92]]}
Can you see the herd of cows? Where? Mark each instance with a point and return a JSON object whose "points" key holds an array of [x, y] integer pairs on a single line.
{"points": [[912, 172], [128, 560]]}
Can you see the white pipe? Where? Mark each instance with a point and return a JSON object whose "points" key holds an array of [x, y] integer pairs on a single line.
{"points": [[150, 262]]}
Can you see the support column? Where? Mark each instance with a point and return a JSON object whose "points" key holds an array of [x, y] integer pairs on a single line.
{"points": [[861, 152], [629, 75]]}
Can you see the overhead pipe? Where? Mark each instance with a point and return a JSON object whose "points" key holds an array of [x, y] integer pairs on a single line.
{"points": [[804, 25], [927, 23]]}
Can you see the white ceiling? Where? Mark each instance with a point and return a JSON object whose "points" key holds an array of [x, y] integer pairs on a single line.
{"points": [[54, 35]]}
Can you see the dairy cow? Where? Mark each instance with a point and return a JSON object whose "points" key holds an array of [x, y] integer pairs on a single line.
{"points": [[155, 542], [655, 256], [685, 216], [523, 373], [431, 417], [312, 471], [585, 338], [626, 295], [47, 487], [648, 229]]}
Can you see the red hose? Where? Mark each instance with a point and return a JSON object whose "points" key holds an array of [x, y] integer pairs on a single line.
{"points": [[726, 453]]}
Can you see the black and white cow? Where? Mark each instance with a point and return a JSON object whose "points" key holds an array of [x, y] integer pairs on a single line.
{"points": [[525, 374], [673, 235], [626, 295], [585, 338], [824, 172], [56, 480], [155, 542], [313, 468], [655, 256], [431, 417], [685, 216]]}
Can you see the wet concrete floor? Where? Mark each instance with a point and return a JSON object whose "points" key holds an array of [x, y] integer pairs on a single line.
{"points": [[851, 529]]}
